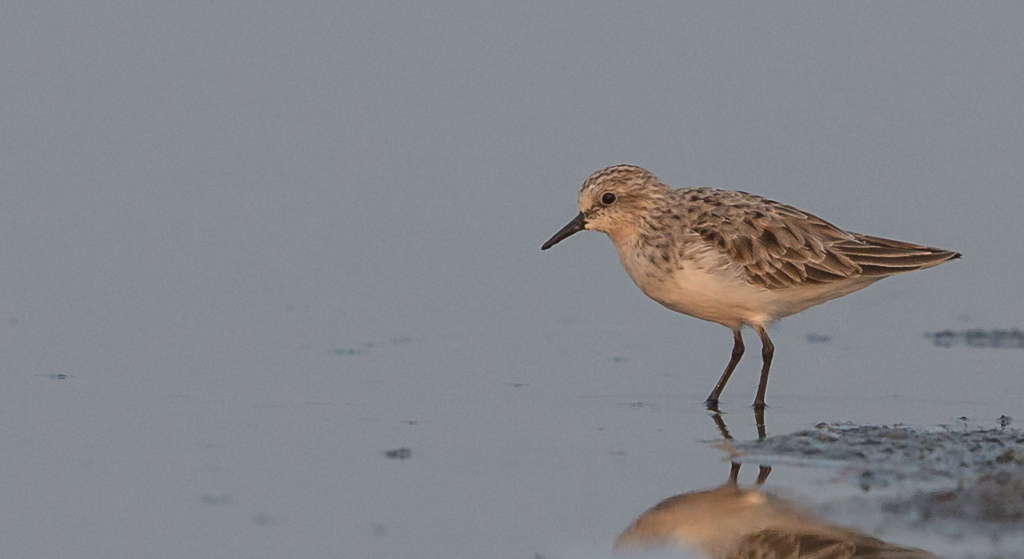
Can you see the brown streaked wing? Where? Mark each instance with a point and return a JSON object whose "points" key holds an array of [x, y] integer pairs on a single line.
{"points": [[778, 245], [785, 544], [777, 544], [781, 246]]}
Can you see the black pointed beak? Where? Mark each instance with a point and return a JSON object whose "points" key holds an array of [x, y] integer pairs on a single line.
{"points": [[575, 226]]}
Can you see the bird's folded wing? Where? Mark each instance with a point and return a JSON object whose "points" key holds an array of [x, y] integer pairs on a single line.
{"points": [[782, 247]]}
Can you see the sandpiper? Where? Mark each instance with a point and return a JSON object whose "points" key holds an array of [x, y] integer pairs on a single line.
{"points": [[731, 257]]}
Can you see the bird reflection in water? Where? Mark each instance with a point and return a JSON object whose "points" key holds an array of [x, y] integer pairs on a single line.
{"points": [[735, 522]]}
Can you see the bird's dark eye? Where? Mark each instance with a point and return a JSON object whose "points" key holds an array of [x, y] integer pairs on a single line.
{"points": [[607, 198]]}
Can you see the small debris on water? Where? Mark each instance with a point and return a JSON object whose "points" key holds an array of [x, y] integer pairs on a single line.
{"points": [[403, 453], [978, 338]]}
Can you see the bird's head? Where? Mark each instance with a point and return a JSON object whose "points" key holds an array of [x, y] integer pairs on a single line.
{"points": [[613, 200]]}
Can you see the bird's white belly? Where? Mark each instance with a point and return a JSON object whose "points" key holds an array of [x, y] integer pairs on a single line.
{"points": [[710, 288], [721, 298]]}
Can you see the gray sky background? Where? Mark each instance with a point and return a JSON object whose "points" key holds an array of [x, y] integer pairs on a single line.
{"points": [[394, 168], [189, 189]]}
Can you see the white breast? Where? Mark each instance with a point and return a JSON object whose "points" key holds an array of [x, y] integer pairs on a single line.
{"points": [[706, 286]]}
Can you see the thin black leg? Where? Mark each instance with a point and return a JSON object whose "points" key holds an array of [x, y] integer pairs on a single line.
{"points": [[737, 353], [767, 352]]}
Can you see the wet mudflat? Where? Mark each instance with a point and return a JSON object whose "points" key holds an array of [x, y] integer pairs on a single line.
{"points": [[427, 447], [957, 487], [912, 470]]}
